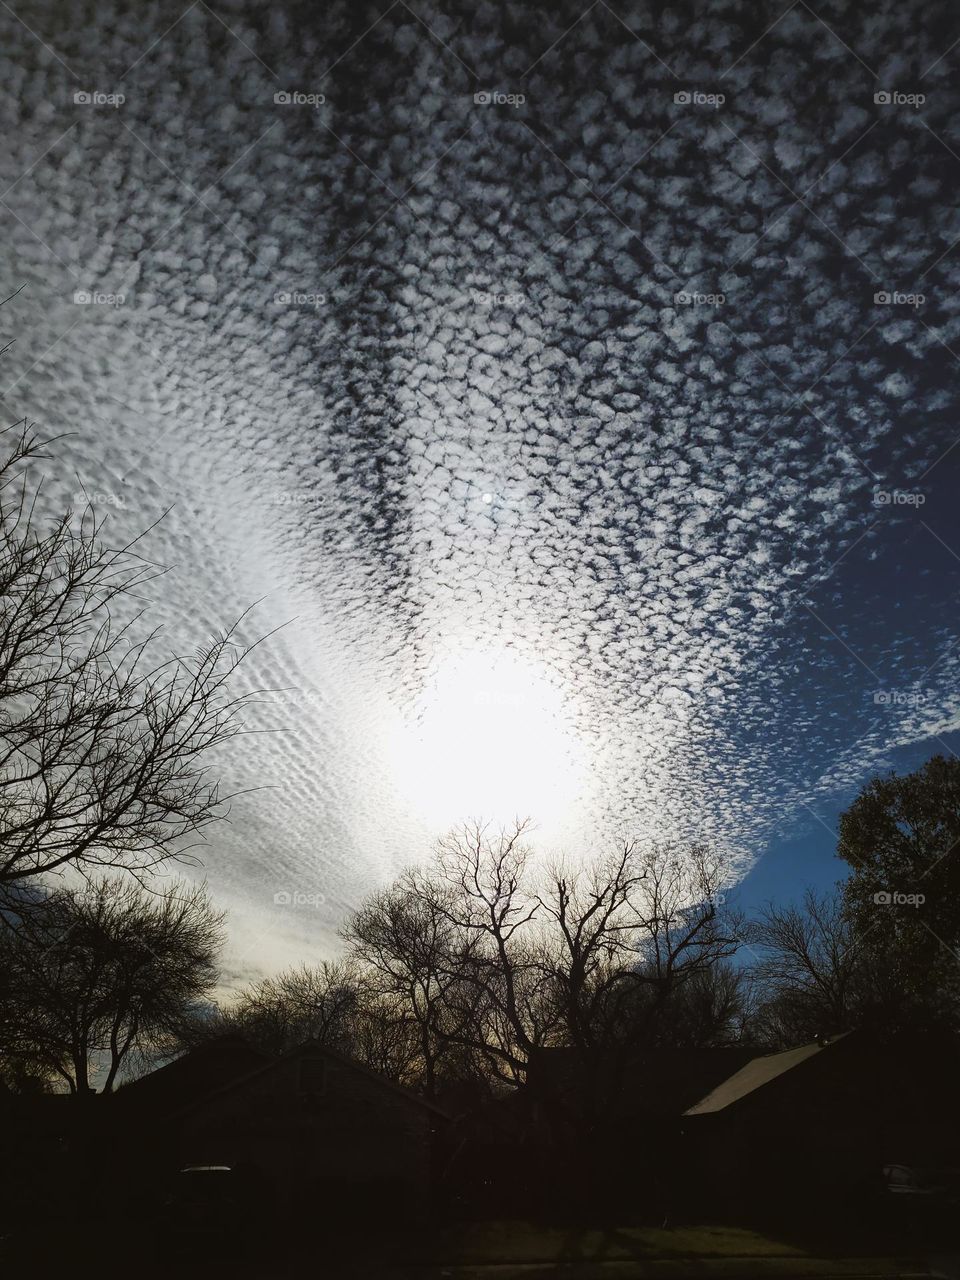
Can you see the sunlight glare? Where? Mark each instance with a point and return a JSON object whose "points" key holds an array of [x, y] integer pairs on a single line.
{"points": [[490, 737]]}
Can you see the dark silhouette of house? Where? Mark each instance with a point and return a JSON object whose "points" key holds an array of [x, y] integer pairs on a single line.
{"points": [[40, 1133], [816, 1125], [192, 1075], [643, 1087], [586, 1131], [310, 1129], [670, 1134]]}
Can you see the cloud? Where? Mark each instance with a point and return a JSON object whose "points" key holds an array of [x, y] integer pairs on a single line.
{"points": [[644, 328]]}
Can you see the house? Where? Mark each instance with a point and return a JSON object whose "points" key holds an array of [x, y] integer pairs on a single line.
{"points": [[637, 1092], [314, 1129], [719, 1132], [191, 1076], [41, 1133], [586, 1129], [816, 1125]]}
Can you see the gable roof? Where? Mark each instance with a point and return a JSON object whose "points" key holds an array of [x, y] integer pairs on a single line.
{"points": [[651, 1082], [313, 1048], [757, 1073], [193, 1074], [668, 1080]]}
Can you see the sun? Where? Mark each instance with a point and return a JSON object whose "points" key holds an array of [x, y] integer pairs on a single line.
{"points": [[490, 737]]}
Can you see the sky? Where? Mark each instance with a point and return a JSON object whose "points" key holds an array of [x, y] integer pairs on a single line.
{"points": [[573, 386]]}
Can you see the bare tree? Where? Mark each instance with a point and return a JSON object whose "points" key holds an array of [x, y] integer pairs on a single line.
{"points": [[495, 961], [386, 1040], [300, 1004], [278, 1013], [487, 893], [102, 748], [710, 1009], [335, 1003], [453, 948], [807, 968], [597, 913], [99, 973], [631, 930], [417, 959]]}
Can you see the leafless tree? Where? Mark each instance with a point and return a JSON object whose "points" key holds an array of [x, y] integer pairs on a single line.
{"points": [[808, 968], [418, 960], [277, 1013], [103, 748], [710, 1009], [631, 929], [489, 897], [387, 1041], [101, 972], [597, 912], [497, 960], [335, 1003]]}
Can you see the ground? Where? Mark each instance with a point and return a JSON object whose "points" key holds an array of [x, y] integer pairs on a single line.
{"points": [[524, 1251], [301, 1246]]}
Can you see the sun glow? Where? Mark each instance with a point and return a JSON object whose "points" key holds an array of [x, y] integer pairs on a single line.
{"points": [[491, 737]]}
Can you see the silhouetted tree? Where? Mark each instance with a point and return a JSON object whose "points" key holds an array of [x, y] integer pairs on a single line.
{"points": [[335, 1003], [102, 746], [807, 963], [710, 1008], [100, 972], [304, 1003], [416, 959], [482, 883], [631, 931], [494, 959], [901, 838]]}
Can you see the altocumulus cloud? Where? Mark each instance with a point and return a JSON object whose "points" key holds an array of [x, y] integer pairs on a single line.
{"points": [[592, 334]]}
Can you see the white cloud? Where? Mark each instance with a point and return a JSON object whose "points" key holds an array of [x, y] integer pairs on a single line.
{"points": [[661, 497]]}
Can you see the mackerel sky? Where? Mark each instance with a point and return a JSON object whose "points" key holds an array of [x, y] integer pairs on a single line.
{"points": [[613, 348]]}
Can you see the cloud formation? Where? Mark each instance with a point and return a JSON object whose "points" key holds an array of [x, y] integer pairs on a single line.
{"points": [[593, 336]]}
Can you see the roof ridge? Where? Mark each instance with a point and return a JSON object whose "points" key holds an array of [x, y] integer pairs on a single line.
{"points": [[276, 1060], [712, 1102]]}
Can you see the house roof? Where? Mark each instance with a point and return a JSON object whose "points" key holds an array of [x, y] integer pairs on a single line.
{"points": [[193, 1074], [658, 1081], [757, 1073], [314, 1048]]}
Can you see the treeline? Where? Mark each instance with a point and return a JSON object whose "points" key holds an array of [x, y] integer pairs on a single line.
{"points": [[462, 969]]}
